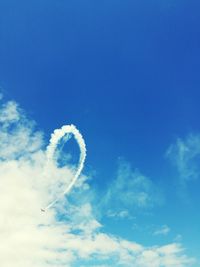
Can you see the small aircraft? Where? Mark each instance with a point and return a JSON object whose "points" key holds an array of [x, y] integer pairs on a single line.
{"points": [[43, 210]]}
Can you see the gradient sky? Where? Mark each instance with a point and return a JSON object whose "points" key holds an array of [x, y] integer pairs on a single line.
{"points": [[126, 73]]}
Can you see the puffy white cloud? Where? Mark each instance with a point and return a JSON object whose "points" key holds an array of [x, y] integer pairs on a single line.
{"points": [[28, 238], [68, 233]]}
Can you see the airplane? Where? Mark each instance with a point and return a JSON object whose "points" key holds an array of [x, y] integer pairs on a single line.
{"points": [[43, 210]]}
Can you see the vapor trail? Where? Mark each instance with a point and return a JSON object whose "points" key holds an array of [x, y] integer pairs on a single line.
{"points": [[56, 136]]}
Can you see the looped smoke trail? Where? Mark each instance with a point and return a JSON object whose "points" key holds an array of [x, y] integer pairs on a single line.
{"points": [[56, 136]]}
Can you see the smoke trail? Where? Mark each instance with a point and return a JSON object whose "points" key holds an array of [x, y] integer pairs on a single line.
{"points": [[57, 135]]}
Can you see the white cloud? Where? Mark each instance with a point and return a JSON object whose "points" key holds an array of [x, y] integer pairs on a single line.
{"points": [[17, 136], [184, 155], [120, 214], [130, 190], [68, 233], [163, 230], [9, 113]]}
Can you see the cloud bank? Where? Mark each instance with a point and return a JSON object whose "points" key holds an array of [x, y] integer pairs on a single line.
{"points": [[68, 234]]}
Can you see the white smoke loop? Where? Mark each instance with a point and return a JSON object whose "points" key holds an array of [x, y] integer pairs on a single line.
{"points": [[56, 136]]}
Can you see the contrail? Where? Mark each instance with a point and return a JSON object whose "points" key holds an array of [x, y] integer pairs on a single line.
{"points": [[56, 136]]}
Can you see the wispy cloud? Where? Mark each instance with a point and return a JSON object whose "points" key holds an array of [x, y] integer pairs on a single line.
{"points": [[184, 155], [163, 230], [122, 214], [17, 134], [131, 190], [68, 234]]}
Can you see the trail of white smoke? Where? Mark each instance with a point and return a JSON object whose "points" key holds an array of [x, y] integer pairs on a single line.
{"points": [[56, 136]]}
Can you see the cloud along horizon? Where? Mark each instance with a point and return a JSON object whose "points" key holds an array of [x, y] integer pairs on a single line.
{"points": [[68, 234]]}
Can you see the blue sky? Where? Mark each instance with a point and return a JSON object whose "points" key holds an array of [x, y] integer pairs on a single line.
{"points": [[126, 73]]}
